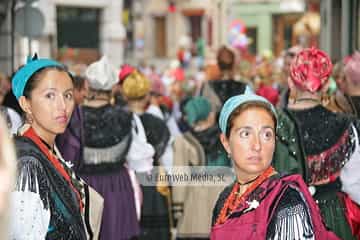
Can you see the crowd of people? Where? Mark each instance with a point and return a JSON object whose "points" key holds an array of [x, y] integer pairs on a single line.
{"points": [[84, 141]]}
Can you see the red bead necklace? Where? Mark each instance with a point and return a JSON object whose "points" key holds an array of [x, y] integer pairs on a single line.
{"points": [[234, 199]]}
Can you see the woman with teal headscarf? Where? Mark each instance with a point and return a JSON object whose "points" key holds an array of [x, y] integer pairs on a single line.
{"points": [[261, 203], [48, 201]]}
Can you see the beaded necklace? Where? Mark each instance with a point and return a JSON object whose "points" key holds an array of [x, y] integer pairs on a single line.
{"points": [[234, 199]]}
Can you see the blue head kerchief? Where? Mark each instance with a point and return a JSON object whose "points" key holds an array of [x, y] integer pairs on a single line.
{"points": [[232, 103], [24, 74], [197, 109]]}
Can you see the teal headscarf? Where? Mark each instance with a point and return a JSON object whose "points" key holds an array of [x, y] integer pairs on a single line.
{"points": [[23, 75], [232, 103], [197, 109]]}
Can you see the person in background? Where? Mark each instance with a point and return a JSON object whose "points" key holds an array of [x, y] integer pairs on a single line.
{"points": [[161, 107], [81, 89], [337, 101], [70, 143], [49, 200], [103, 163], [153, 137], [7, 177], [352, 83], [261, 203], [285, 95], [10, 100], [13, 118], [199, 146], [219, 90], [320, 144]]}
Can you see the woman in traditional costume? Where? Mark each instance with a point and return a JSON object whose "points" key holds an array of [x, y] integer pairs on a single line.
{"points": [[219, 90], [320, 145], [49, 200], [200, 147], [352, 85], [260, 204], [153, 137], [107, 140]]}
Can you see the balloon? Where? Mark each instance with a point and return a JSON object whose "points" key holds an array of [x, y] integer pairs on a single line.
{"points": [[236, 36]]}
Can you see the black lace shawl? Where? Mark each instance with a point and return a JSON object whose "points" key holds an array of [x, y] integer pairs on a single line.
{"points": [[214, 150], [55, 193], [105, 126], [157, 133], [108, 129], [320, 128], [227, 88]]}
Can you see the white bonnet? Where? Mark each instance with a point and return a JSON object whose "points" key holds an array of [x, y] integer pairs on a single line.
{"points": [[101, 75]]}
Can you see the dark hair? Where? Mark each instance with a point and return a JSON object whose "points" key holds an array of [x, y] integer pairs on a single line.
{"points": [[96, 93], [290, 54], [240, 109], [34, 79], [225, 58], [79, 82]]}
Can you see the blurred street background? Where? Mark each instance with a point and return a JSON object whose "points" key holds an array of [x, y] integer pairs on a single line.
{"points": [[154, 32]]}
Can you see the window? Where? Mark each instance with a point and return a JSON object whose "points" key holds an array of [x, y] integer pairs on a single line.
{"points": [[160, 37], [78, 27], [251, 33]]}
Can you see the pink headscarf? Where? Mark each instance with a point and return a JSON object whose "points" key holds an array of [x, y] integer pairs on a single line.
{"points": [[352, 68], [310, 70]]}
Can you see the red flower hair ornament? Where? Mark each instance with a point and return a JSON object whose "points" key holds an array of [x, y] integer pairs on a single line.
{"points": [[310, 70]]}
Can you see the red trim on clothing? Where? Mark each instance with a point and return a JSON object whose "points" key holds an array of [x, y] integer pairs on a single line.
{"points": [[31, 134]]}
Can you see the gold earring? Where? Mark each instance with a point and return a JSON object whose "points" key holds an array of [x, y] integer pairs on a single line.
{"points": [[292, 96], [29, 118], [325, 98]]}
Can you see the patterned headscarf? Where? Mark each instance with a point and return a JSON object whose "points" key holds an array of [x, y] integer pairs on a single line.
{"points": [[310, 69], [352, 68]]}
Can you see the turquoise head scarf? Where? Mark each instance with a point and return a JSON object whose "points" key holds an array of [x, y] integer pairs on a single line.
{"points": [[197, 109], [23, 75], [232, 103]]}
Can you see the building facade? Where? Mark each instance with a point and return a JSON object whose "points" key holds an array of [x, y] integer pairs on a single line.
{"points": [[160, 26], [340, 27], [74, 31], [269, 23], [6, 50]]}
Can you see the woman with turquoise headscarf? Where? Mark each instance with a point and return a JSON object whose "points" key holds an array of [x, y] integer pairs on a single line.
{"points": [[261, 203], [48, 201]]}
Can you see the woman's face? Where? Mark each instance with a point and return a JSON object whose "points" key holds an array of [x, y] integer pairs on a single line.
{"points": [[51, 103], [251, 142]]}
